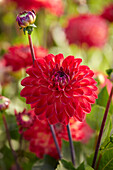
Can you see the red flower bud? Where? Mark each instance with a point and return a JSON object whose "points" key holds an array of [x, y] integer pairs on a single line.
{"points": [[4, 103]]}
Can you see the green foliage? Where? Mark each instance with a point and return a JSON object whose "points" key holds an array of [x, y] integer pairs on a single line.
{"points": [[64, 165], [47, 163], [103, 98]]}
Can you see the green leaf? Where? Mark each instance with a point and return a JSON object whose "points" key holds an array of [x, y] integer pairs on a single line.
{"points": [[48, 163], [103, 98], [64, 165], [79, 152], [94, 119], [106, 162]]}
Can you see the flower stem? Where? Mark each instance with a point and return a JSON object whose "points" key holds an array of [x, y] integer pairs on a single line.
{"points": [[102, 128], [9, 140], [55, 140], [71, 145], [31, 48]]}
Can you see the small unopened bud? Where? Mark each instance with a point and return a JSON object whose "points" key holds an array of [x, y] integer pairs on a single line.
{"points": [[4, 103], [25, 18]]}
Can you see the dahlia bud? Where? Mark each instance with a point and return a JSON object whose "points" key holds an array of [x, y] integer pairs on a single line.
{"points": [[26, 20], [4, 103], [110, 74]]}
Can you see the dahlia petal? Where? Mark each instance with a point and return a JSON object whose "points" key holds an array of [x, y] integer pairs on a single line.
{"points": [[50, 98], [40, 62], [40, 110], [63, 99], [93, 87], [26, 91], [41, 102], [50, 111], [86, 91], [61, 116], [90, 99], [44, 90], [83, 67], [50, 61], [80, 114], [58, 107], [69, 110], [68, 61], [78, 92], [31, 100], [41, 116], [58, 59], [53, 119], [27, 81], [77, 62], [30, 71]]}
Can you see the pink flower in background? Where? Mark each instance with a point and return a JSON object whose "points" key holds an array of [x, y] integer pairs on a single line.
{"points": [[20, 56], [54, 6], [103, 81], [87, 28], [59, 88], [5, 76], [41, 140], [108, 13]]}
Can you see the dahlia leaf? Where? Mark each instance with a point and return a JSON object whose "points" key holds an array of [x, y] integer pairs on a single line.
{"points": [[78, 152], [94, 119], [47, 163], [65, 165], [102, 99], [106, 161]]}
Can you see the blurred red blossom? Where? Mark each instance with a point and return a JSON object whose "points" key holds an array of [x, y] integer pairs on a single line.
{"points": [[108, 13], [20, 56], [54, 6], [4, 103], [87, 28], [59, 88], [41, 140], [25, 119], [5, 76]]}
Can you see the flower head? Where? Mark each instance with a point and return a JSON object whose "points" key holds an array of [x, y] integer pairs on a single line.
{"points": [[25, 18], [41, 140], [59, 88], [23, 58], [25, 119], [89, 29], [108, 13], [4, 103]]}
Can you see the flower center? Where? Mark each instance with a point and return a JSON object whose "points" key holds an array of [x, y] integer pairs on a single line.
{"points": [[60, 79]]}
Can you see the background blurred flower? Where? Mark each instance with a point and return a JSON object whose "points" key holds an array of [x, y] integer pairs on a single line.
{"points": [[5, 76], [54, 6], [59, 88], [87, 28], [4, 103], [108, 13], [25, 119], [103, 81], [20, 56], [41, 140]]}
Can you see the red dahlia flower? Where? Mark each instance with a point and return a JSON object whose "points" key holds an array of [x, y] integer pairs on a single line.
{"points": [[108, 13], [89, 29], [41, 140], [54, 6], [20, 56], [59, 88]]}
